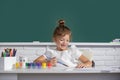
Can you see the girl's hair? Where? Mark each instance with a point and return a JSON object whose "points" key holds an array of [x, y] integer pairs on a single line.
{"points": [[61, 30]]}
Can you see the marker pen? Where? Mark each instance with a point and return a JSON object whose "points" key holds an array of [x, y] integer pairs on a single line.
{"points": [[62, 63]]}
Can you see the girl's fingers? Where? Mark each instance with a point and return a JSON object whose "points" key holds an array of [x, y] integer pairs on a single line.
{"points": [[53, 60], [80, 66]]}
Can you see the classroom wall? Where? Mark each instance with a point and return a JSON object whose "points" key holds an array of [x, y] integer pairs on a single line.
{"points": [[35, 20]]}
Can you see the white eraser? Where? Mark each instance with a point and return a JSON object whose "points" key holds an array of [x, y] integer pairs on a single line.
{"points": [[116, 40]]}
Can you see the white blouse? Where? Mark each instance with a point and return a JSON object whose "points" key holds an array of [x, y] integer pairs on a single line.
{"points": [[68, 57]]}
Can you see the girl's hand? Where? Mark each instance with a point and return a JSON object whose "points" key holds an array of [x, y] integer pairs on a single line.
{"points": [[81, 65], [53, 61]]}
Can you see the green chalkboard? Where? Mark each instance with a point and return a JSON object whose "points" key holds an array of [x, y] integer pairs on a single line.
{"points": [[35, 20]]}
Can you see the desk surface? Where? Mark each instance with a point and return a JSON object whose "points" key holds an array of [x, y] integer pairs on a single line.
{"points": [[65, 70]]}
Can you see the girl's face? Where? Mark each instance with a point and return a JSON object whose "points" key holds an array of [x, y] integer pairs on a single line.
{"points": [[62, 42]]}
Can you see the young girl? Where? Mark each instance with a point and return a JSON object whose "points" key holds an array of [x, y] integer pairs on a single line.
{"points": [[68, 56]]}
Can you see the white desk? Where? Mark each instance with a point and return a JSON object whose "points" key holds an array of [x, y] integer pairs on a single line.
{"points": [[57, 73]]}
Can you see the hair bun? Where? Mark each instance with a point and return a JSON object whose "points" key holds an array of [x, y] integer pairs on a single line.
{"points": [[61, 22]]}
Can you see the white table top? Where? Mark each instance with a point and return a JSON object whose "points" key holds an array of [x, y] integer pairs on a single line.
{"points": [[65, 70]]}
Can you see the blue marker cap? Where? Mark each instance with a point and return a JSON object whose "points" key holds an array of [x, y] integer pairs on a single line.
{"points": [[38, 65], [14, 52], [33, 65]]}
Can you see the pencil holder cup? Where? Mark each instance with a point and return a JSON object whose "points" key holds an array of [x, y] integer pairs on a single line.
{"points": [[7, 63]]}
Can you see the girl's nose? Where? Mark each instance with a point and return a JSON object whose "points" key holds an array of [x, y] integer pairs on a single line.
{"points": [[64, 42]]}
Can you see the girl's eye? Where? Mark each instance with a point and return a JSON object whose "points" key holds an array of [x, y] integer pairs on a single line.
{"points": [[67, 40], [61, 39]]}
